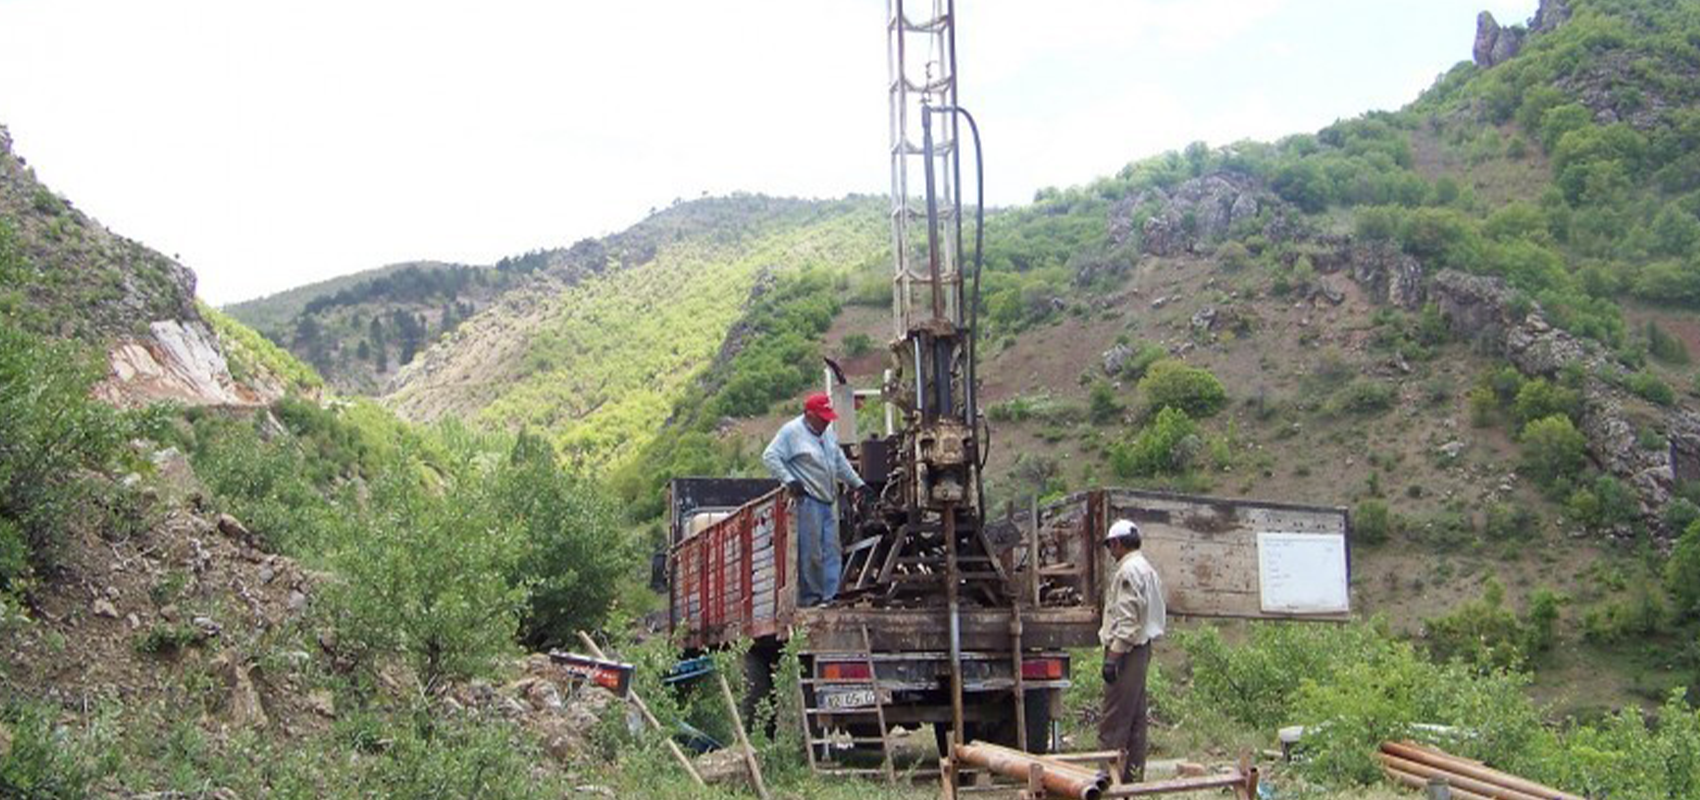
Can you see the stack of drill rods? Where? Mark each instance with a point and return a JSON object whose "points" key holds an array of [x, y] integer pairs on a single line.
{"points": [[1069, 780], [1415, 765]]}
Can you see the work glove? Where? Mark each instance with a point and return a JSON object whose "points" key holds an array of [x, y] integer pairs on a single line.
{"points": [[1112, 668], [795, 488]]}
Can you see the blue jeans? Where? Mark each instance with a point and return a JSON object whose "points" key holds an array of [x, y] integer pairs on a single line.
{"points": [[819, 562]]}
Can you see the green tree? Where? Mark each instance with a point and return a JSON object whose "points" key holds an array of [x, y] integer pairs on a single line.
{"points": [[1165, 447], [1553, 450], [1682, 571], [1170, 383], [573, 554], [1102, 405], [425, 574]]}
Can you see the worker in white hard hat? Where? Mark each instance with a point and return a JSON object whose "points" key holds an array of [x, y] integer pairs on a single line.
{"points": [[1133, 618]]}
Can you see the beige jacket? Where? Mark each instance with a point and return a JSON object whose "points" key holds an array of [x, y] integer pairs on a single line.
{"points": [[1134, 613]]}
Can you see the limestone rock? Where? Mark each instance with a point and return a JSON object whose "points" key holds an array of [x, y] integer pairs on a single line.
{"points": [[1202, 209], [322, 702], [723, 768], [1482, 308], [1115, 358], [1495, 45], [242, 703], [104, 608]]}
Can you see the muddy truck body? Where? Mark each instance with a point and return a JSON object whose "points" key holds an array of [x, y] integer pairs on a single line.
{"points": [[731, 575]]}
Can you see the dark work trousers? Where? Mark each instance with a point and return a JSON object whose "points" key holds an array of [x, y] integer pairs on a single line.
{"points": [[1122, 724]]}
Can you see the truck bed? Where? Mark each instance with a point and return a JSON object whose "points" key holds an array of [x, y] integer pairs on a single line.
{"points": [[733, 573]]}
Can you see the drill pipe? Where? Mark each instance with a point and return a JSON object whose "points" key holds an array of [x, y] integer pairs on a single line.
{"points": [[1070, 783]]}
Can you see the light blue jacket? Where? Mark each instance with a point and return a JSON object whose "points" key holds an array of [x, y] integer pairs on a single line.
{"points": [[797, 454]]}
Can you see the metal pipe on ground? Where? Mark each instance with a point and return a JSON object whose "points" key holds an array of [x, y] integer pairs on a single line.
{"points": [[1457, 781], [1101, 777], [1012, 764], [1473, 769], [1420, 783]]}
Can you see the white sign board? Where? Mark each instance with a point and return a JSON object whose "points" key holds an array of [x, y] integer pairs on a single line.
{"points": [[1302, 573]]}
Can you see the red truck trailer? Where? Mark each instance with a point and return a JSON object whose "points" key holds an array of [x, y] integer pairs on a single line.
{"points": [[732, 575]]}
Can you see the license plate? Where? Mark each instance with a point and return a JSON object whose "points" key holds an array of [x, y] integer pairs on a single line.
{"points": [[838, 699]]}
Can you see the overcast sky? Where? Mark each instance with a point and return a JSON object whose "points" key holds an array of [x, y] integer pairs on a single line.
{"points": [[269, 145]]}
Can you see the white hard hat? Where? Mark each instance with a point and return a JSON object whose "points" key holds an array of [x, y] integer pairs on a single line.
{"points": [[1121, 528]]}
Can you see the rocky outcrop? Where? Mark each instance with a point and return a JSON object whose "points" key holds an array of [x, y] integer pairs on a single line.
{"points": [[180, 361], [1495, 45], [1482, 308], [82, 281], [1203, 209], [1386, 273]]}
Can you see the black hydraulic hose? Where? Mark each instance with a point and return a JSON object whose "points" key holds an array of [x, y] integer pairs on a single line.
{"points": [[979, 263]]}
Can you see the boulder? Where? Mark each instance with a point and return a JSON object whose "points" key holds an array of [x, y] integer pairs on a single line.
{"points": [[723, 768], [1115, 358], [104, 608], [242, 706]]}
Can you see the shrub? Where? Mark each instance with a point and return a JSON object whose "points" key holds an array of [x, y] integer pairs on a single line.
{"points": [[1665, 347], [858, 344], [1372, 523], [1510, 522], [1362, 396], [1102, 406], [1144, 355], [1172, 384], [1553, 450], [1682, 571], [573, 555], [1165, 447], [1541, 627], [1483, 406], [1538, 398], [50, 432], [426, 577], [1649, 387], [1482, 632]]}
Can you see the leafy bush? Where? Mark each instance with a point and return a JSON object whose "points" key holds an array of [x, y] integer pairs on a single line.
{"points": [[1482, 633], [1144, 355], [1553, 450], [1665, 347], [425, 577], [47, 760], [1511, 522], [50, 432], [1649, 387], [1362, 396], [1102, 405], [1372, 522], [1682, 571], [573, 555], [1168, 446], [858, 344], [1171, 384], [1538, 398], [1604, 504]]}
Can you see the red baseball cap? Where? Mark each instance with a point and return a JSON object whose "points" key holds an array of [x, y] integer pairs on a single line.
{"points": [[821, 406]]}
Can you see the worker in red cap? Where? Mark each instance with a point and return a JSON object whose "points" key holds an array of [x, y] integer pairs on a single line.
{"points": [[805, 456]]}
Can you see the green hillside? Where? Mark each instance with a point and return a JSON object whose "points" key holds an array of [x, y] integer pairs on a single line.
{"points": [[602, 366], [1473, 321]]}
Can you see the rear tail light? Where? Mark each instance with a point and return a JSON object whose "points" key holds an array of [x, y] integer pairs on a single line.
{"points": [[845, 670], [1042, 669]]}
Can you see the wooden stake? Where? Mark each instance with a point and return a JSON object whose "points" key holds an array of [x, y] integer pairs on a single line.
{"points": [[643, 709], [743, 740]]}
